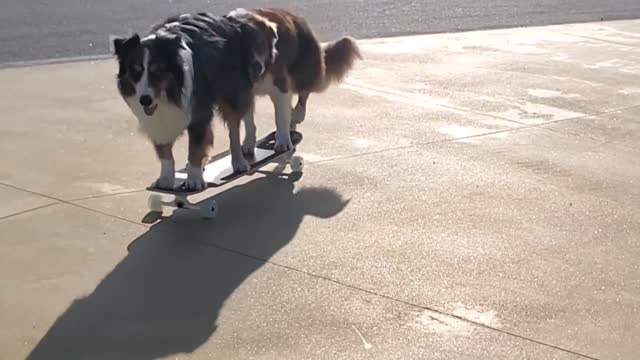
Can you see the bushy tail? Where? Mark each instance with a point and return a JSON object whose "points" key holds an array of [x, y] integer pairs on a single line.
{"points": [[339, 57]]}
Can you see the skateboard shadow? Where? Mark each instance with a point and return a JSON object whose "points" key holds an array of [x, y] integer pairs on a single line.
{"points": [[165, 296]]}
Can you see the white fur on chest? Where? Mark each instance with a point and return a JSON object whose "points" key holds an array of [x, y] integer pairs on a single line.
{"points": [[266, 87], [168, 121], [166, 124]]}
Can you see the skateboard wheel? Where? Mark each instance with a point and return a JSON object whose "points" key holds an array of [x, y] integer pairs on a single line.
{"points": [[296, 163], [209, 209], [155, 203]]}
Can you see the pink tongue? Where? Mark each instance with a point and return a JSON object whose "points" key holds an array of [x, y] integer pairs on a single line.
{"points": [[149, 110]]}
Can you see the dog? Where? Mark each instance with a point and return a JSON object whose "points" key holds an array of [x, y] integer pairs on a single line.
{"points": [[190, 66]]}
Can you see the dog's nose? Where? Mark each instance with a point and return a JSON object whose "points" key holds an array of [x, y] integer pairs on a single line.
{"points": [[145, 100]]}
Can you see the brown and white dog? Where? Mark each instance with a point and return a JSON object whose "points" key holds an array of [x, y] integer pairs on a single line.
{"points": [[192, 64], [301, 66]]}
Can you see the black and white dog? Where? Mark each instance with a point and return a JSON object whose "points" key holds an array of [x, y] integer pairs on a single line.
{"points": [[190, 65]]}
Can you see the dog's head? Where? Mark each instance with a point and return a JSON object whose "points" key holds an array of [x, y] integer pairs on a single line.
{"points": [[262, 36], [265, 50], [150, 68]]}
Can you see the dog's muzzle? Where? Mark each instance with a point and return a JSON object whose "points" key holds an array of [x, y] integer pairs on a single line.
{"points": [[146, 101]]}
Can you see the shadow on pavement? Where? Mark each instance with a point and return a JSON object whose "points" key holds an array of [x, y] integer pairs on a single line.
{"points": [[164, 297]]}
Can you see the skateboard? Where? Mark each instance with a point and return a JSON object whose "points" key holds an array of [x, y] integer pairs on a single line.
{"points": [[219, 172]]}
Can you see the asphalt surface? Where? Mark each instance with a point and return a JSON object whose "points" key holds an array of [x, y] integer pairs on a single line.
{"points": [[36, 29]]}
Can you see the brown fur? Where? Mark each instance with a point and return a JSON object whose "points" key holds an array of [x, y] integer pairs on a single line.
{"points": [[303, 65], [300, 65], [199, 151], [164, 151], [233, 118], [339, 57]]}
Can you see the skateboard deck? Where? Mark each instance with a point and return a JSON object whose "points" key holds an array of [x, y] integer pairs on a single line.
{"points": [[219, 170]]}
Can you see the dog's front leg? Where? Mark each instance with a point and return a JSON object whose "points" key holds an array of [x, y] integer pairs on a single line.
{"points": [[249, 142], [232, 118], [300, 111], [200, 142], [282, 108], [280, 95], [167, 166]]}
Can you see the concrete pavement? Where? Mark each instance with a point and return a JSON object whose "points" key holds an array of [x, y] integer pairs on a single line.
{"points": [[466, 196]]}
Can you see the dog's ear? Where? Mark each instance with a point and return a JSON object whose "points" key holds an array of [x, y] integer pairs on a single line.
{"points": [[273, 38], [168, 41], [256, 69], [258, 48], [245, 50], [121, 45]]}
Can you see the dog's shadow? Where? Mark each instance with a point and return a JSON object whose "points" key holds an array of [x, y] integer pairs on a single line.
{"points": [[165, 296]]}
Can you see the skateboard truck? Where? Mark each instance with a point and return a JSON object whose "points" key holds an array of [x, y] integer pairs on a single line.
{"points": [[208, 208]]}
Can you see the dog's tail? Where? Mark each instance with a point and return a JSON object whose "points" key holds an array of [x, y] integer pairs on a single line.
{"points": [[339, 58]]}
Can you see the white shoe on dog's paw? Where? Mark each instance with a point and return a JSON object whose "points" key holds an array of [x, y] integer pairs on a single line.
{"points": [[240, 165]]}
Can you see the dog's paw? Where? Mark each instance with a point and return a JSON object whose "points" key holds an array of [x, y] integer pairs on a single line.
{"points": [[195, 184], [165, 182], [240, 165], [249, 148], [283, 143], [298, 114], [195, 180]]}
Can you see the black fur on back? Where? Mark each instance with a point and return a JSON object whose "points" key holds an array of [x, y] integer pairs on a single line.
{"points": [[222, 51]]}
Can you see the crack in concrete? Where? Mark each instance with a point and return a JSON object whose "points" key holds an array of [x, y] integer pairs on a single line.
{"points": [[65, 202], [606, 41], [391, 298], [541, 126], [318, 276], [28, 210]]}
